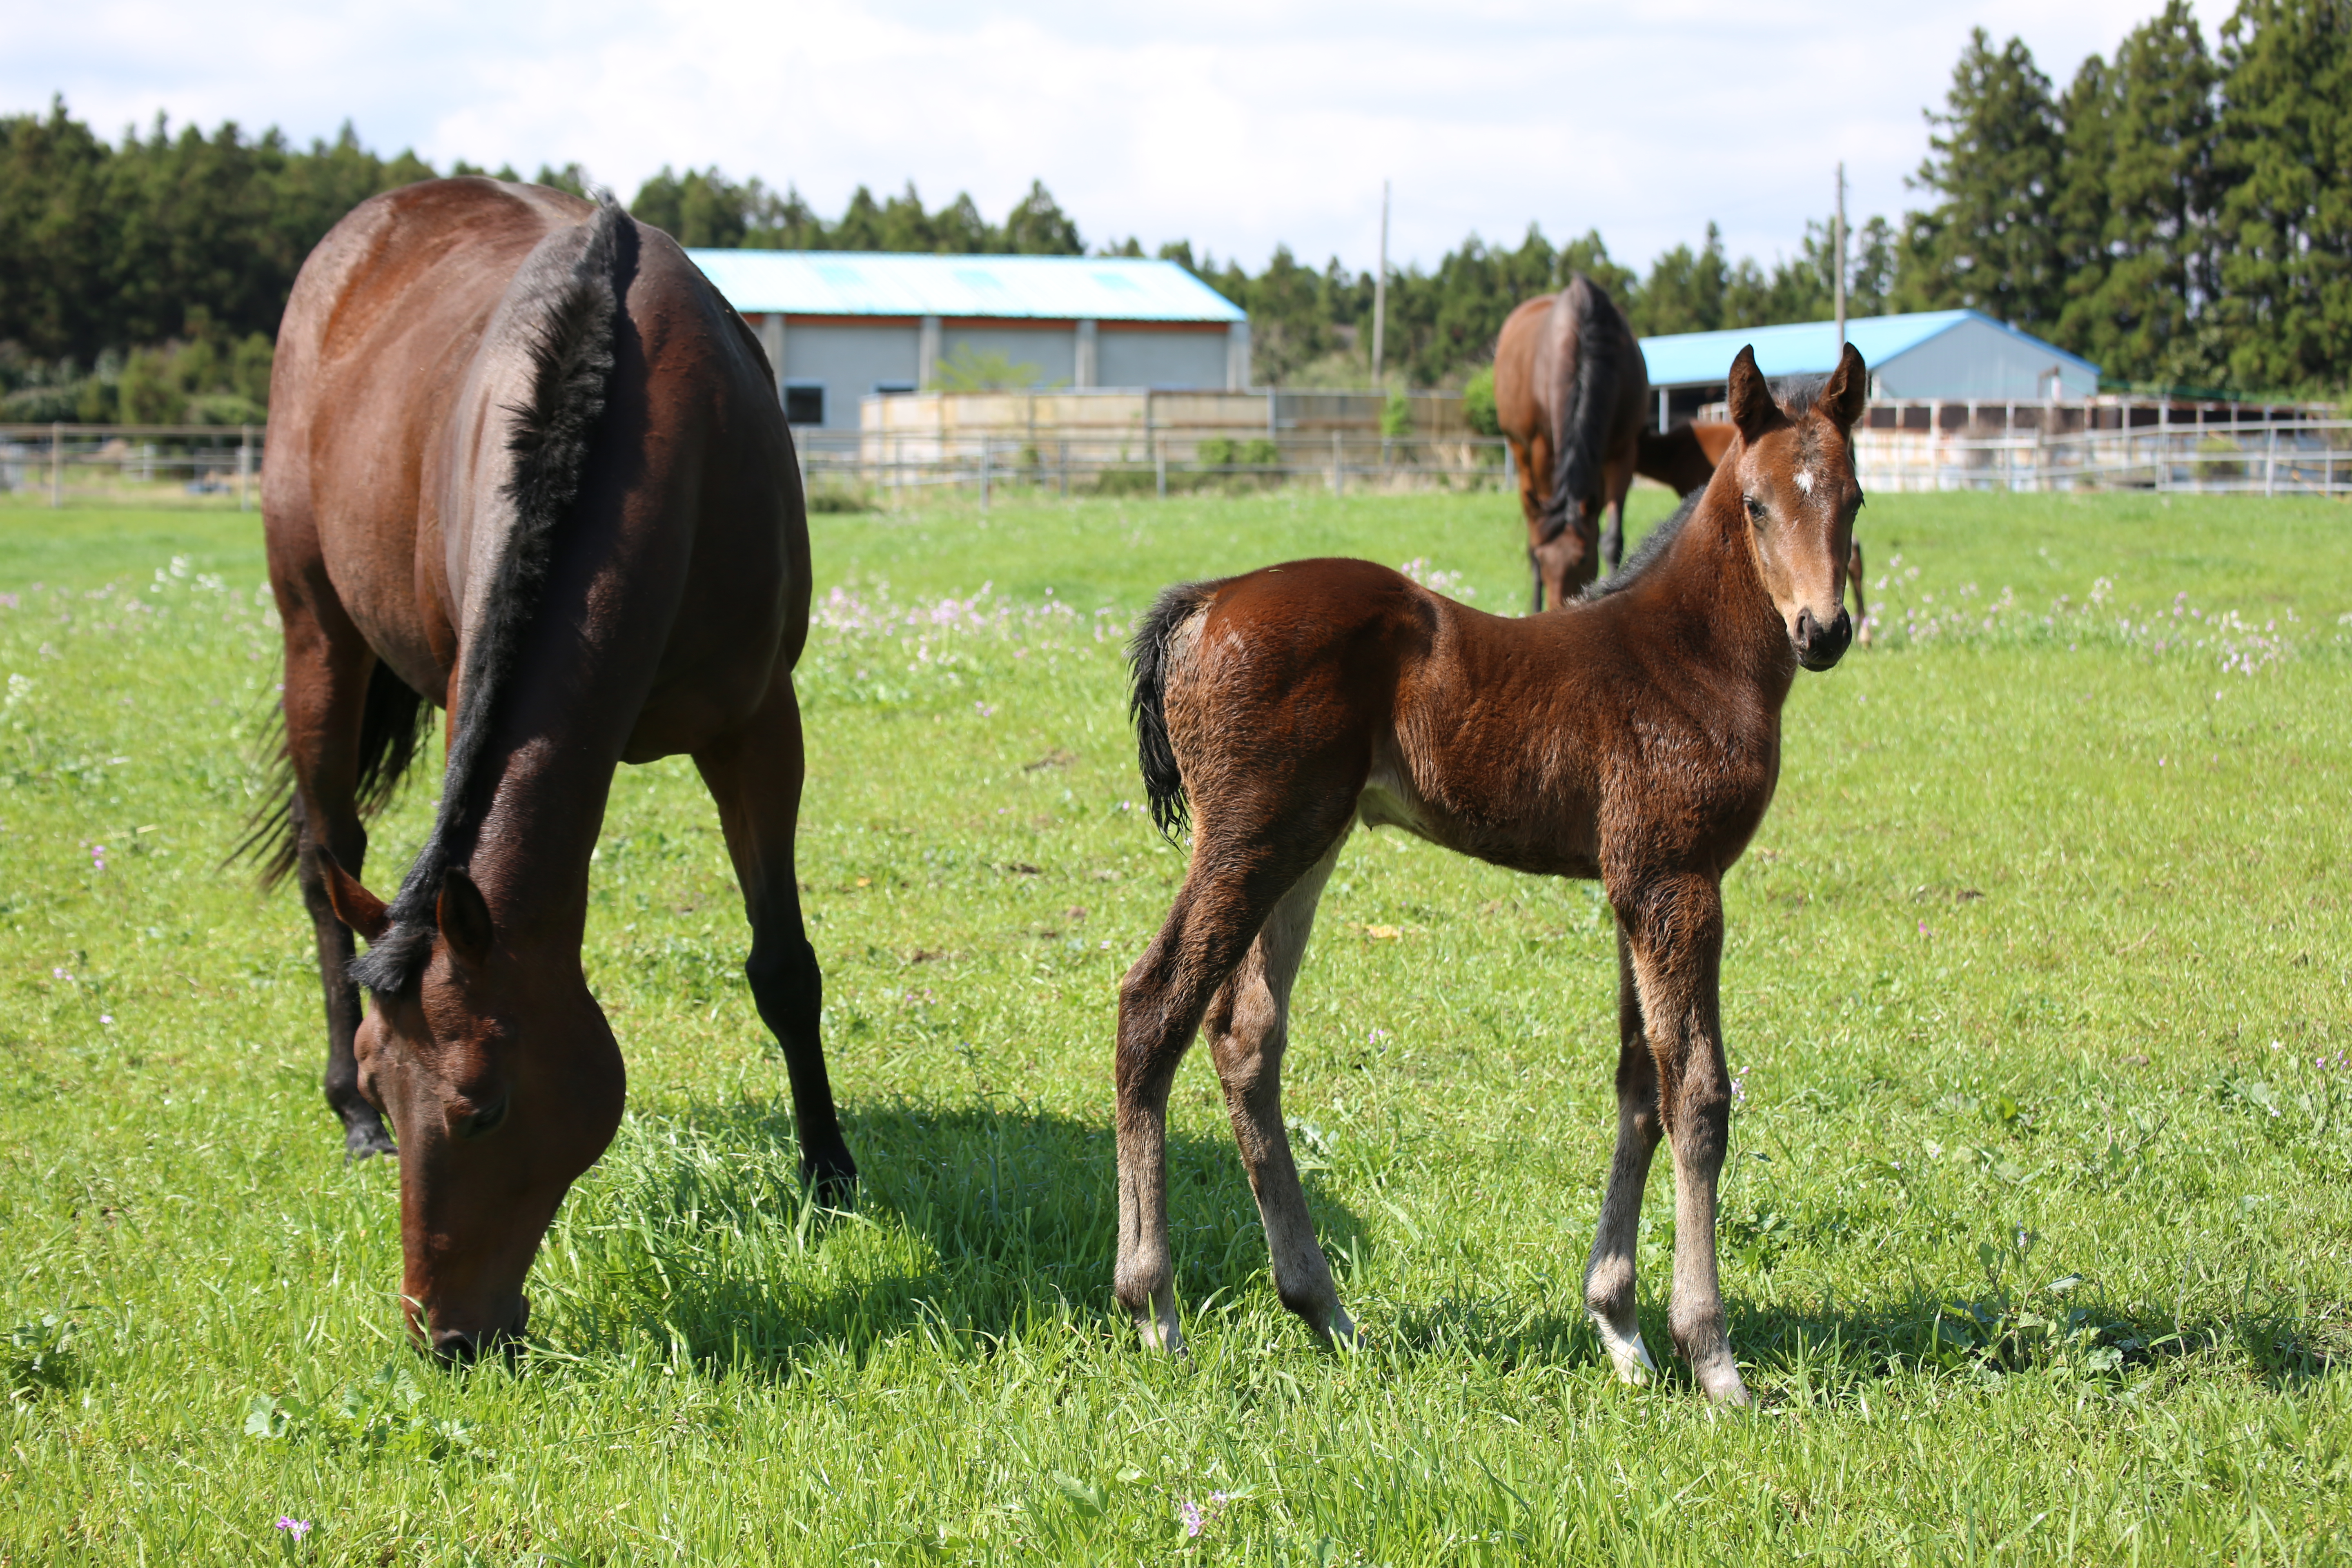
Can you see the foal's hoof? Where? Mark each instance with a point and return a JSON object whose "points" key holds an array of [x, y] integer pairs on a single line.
{"points": [[1628, 1356], [835, 1181], [1720, 1382]]}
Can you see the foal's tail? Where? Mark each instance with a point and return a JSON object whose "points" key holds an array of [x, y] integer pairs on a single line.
{"points": [[1163, 781]]}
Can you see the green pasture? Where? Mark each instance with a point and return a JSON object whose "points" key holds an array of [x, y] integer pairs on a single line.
{"points": [[2037, 1237]]}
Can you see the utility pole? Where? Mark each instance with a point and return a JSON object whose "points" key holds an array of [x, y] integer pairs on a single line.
{"points": [[1837, 244], [1381, 290]]}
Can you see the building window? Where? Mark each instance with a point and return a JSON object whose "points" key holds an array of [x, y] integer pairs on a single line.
{"points": [[804, 404]]}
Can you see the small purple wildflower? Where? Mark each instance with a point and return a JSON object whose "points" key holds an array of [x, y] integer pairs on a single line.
{"points": [[1739, 1086], [106, 1017], [297, 1527], [984, 709], [1190, 1512], [98, 855]]}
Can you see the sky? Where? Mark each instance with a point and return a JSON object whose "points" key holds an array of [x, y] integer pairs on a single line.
{"points": [[1237, 124]]}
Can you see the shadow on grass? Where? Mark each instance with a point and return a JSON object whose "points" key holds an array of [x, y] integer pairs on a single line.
{"points": [[694, 1235], [1830, 1354]]}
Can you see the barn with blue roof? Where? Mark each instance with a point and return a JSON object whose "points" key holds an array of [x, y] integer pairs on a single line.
{"points": [[840, 326], [1949, 356]]}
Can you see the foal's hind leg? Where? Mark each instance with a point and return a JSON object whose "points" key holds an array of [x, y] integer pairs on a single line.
{"points": [[1249, 1028], [754, 776], [1609, 1276], [1236, 880], [1853, 580]]}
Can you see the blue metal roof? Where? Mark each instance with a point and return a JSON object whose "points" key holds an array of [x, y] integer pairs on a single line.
{"points": [[1809, 348], [874, 283]]}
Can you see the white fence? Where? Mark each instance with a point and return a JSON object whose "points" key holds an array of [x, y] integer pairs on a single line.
{"points": [[2300, 456]]}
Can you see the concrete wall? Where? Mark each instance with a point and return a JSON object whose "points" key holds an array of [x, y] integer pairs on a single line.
{"points": [[849, 363], [1132, 358], [1979, 360]]}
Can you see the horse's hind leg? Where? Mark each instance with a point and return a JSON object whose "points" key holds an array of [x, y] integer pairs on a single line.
{"points": [[754, 776], [1609, 1276], [1249, 1028], [328, 666]]}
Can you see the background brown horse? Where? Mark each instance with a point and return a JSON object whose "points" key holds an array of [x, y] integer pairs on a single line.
{"points": [[1685, 458], [1635, 737], [525, 463], [1571, 395]]}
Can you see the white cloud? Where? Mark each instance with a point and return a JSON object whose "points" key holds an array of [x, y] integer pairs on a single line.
{"points": [[1236, 125]]}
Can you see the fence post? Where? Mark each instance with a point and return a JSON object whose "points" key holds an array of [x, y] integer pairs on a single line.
{"points": [[1160, 463], [57, 466], [2270, 462], [1335, 481], [985, 443], [243, 468]]}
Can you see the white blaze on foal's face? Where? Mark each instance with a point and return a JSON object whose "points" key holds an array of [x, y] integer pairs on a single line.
{"points": [[1805, 480]]}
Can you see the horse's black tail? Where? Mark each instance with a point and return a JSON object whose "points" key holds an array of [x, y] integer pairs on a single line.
{"points": [[1580, 435], [1163, 781], [392, 723]]}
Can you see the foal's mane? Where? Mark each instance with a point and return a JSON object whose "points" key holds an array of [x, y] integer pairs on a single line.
{"points": [[570, 295], [1798, 396], [1583, 427]]}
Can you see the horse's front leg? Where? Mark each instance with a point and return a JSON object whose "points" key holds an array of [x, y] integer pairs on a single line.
{"points": [[1675, 937], [754, 776], [1853, 580]]}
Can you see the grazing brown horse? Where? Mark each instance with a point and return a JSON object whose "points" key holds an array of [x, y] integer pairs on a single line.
{"points": [[1633, 736], [1571, 394], [527, 465], [1684, 458]]}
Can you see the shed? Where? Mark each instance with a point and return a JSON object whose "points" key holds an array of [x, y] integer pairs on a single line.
{"points": [[1956, 356], [842, 325]]}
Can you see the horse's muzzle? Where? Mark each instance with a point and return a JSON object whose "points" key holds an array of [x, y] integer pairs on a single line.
{"points": [[463, 1346], [1820, 647]]}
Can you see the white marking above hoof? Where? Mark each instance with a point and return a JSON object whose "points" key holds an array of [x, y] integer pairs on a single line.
{"points": [[1627, 1353]]}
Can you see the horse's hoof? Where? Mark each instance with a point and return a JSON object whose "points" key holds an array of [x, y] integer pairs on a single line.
{"points": [[1721, 1384], [1628, 1356]]}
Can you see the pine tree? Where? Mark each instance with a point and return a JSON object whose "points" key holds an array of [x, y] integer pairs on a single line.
{"points": [[2285, 230], [1994, 159]]}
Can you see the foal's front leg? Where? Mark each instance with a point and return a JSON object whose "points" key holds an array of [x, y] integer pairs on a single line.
{"points": [[1676, 944]]}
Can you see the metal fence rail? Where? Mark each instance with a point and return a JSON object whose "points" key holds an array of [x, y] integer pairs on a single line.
{"points": [[2302, 457], [1090, 460], [130, 461]]}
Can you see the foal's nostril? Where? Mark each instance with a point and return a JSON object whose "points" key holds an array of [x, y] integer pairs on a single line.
{"points": [[457, 1345]]}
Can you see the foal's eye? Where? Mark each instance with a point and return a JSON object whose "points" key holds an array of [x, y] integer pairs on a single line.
{"points": [[486, 1118], [1755, 511]]}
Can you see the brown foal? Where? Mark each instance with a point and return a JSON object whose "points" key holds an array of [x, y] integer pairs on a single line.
{"points": [[1633, 737]]}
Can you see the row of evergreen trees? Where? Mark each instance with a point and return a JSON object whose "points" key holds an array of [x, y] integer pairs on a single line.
{"points": [[2180, 214]]}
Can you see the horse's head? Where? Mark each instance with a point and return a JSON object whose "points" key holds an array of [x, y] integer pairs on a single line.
{"points": [[1794, 471], [503, 1083]]}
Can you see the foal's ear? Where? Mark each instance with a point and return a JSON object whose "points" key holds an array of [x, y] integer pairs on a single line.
{"points": [[354, 905], [1848, 389], [463, 916], [1753, 408]]}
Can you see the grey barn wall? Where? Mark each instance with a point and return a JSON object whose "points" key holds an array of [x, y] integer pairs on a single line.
{"points": [[848, 363], [1052, 349], [1171, 360], [1978, 360]]}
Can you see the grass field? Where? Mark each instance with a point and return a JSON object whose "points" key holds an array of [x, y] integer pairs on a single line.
{"points": [[2038, 1232]]}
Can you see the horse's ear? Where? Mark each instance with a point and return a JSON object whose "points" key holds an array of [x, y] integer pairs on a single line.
{"points": [[1753, 408], [1848, 390], [354, 905], [463, 916]]}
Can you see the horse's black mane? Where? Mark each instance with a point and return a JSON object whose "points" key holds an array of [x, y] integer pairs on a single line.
{"points": [[1583, 432], [570, 289]]}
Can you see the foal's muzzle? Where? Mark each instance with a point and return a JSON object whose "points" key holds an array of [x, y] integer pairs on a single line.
{"points": [[463, 1346], [1820, 647]]}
